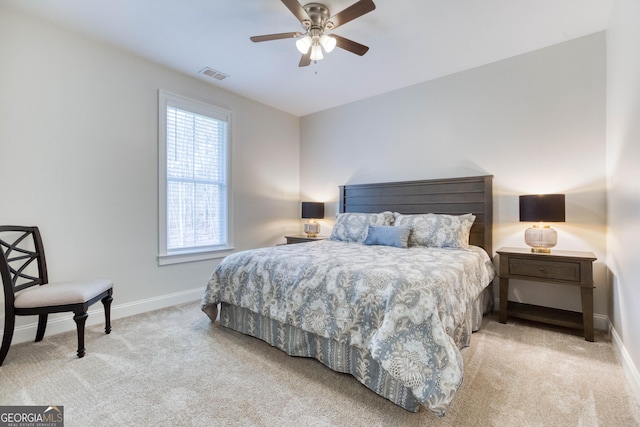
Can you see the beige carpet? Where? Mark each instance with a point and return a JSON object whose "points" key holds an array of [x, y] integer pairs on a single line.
{"points": [[173, 367]]}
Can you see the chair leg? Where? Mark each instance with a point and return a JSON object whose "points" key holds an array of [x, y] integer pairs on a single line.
{"points": [[42, 325], [106, 301], [9, 323], [80, 319]]}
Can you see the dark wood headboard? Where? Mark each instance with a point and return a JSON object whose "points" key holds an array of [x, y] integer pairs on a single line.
{"points": [[453, 196]]}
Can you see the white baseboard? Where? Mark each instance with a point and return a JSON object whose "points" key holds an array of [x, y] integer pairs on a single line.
{"points": [[601, 322], [629, 368], [65, 323]]}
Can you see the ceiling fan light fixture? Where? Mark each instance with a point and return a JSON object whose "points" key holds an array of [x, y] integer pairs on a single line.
{"points": [[316, 19], [316, 53], [328, 43], [303, 44]]}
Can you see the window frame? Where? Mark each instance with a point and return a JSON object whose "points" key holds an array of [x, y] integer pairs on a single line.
{"points": [[166, 257]]}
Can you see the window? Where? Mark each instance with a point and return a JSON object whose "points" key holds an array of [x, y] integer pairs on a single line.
{"points": [[193, 180]]}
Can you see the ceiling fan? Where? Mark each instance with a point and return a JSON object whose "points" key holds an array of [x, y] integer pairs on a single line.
{"points": [[316, 19]]}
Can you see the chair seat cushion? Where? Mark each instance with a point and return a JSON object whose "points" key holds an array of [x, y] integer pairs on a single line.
{"points": [[61, 293]]}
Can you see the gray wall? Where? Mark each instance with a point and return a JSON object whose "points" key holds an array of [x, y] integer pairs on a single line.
{"points": [[78, 155], [623, 156], [536, 122]]}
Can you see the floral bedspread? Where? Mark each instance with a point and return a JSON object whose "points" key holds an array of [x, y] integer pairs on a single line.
{"points": [[404, 306]]}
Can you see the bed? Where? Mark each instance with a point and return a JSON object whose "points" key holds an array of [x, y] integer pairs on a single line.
{"points": [[390, 298]]}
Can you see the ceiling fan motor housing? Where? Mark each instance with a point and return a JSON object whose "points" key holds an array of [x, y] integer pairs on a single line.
{"points": [[318, 17]]}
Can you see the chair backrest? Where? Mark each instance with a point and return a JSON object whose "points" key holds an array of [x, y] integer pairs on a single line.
{"points": [[22, 263]]}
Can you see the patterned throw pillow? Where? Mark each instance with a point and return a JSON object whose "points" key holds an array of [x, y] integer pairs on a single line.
{"points": [[353, 227], [437, 230]]}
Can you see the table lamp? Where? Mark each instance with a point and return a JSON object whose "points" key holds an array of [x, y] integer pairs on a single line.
{"points": [[541, 208], [312, 211]]}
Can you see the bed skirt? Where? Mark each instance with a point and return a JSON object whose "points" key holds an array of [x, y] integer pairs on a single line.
{"points": [[341, 357], [337, 356]]}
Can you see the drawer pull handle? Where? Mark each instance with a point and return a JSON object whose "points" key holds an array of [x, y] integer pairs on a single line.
{"points": [[542, 269]]}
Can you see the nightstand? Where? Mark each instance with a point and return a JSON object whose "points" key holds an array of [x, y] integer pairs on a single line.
{"points": [[558, 267], [302, 238]]}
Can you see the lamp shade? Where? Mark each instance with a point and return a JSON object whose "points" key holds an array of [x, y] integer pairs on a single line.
{"points": [[304, 44], [542, 208], [328, 42], [314, 210], [316, 52]]}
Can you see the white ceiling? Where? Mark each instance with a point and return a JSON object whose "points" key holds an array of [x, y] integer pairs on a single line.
{"points": [[410, 41]]}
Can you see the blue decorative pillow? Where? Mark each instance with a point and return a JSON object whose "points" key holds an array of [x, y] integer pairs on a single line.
{"points": [[388, 235], [352, 227]]}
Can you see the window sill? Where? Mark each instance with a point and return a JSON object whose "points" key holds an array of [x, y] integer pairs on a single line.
{"points": [[168, 259]]}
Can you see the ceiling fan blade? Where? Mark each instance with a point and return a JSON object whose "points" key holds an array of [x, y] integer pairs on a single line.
{"points": [[305, 60], [278, 36], [296, 8], [354, 11], [350, 45]]}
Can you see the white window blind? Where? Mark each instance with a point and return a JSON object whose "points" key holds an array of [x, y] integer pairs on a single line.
{"points": [[194, 142]]}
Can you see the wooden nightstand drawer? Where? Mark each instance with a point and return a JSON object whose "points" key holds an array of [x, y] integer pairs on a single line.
{"points": [[552, 270]]}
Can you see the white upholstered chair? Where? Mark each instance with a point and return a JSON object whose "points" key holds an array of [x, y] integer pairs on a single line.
{"points": [[23, 270]]}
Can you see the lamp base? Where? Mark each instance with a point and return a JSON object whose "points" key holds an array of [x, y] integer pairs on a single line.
{"points": [[541, 250], [541, 238], [311, 229]]}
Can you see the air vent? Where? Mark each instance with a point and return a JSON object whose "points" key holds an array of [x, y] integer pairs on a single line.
{"points": [[215, 74]]}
